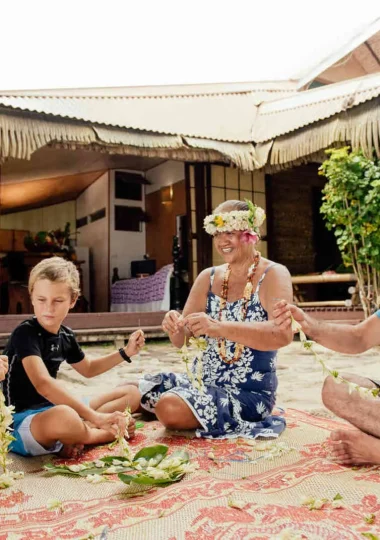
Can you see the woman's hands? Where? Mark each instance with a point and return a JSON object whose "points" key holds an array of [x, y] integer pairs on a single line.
{"points": [[172, 322], [198, 324], [201, 324], [135, 343], [3, 367]]}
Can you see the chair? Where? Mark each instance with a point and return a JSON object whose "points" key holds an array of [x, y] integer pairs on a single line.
{"points": [[150, 293]]}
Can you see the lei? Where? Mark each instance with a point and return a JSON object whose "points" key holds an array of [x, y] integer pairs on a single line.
{"points": [[7, 477], [223, 301], [236, 220], [367, 393]]}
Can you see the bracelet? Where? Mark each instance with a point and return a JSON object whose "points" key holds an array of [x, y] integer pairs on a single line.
{"points": [[124, 355]]}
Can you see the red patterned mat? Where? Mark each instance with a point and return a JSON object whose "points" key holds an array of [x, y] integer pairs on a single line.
{"points": [[197, 508]]}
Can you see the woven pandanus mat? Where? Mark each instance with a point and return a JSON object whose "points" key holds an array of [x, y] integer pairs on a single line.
{"points": [[203, 506]]}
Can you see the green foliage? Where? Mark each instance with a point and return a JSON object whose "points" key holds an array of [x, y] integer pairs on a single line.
{"points": [[351, 204]]}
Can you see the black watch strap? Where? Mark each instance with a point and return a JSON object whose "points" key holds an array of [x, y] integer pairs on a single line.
{"points": [[124, 355]]}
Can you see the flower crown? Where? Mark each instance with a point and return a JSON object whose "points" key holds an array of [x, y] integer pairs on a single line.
{"points": [[236, 220]]}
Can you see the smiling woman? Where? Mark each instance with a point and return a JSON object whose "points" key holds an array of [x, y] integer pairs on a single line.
{"points": [[231, 305]]}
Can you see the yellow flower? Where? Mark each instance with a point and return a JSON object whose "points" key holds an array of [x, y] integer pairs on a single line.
{"points": [[219, 221]]}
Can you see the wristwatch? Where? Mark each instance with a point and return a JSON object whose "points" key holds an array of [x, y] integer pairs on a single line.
{"points": [[124, 355]]}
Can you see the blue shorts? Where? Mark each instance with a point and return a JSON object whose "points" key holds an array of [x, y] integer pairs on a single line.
{"points": [[25, 444]]}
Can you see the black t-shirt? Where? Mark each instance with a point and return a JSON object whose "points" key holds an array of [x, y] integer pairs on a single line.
{"points": [[31, 339]]}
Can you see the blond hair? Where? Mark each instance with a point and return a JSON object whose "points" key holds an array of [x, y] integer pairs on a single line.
{"points": [[56, 269]]}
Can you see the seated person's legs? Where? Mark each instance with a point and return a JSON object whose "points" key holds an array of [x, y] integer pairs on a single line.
{"points": [[354, 446], [174, 413], [52, 429]]}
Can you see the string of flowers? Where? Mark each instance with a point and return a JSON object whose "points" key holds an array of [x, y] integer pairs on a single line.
{"points": [[193, 355], [151, 465], [367, 393], [7, 477]]}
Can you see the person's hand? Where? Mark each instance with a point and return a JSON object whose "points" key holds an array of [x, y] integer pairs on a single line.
{"points": [[172, 322], [3, 366], [131, 428], [283, 313], [115, 422], [135, 343], [201, 324]]}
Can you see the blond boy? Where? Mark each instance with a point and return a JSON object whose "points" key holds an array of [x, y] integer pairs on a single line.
{"points": [[48, 418]]}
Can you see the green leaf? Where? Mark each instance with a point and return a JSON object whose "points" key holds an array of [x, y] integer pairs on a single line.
{"points": [[371, 536], [51, 469], [147, 480], [139, 425], [338, 497], [110, 459], [152, 452]]}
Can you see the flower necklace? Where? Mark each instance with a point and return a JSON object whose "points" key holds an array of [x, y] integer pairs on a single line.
{"points": [[223, 302]]}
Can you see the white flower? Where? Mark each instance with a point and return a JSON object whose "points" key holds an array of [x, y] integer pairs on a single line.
{"points": [[113, 470], [17, 475], [99, 464], [338, 504], [155, 473], [95, 478], [236, 503], [76, 468], [6, 481], [55, 504], [257, 376], [117, 462]]}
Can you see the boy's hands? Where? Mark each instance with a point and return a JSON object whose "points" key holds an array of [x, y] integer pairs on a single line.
{"points": [[135, 343], [113, 422], [3, 367], [283, 313], [131, 427]]}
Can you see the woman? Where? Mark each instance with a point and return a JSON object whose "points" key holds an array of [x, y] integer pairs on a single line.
{"points": [[231, 306]]}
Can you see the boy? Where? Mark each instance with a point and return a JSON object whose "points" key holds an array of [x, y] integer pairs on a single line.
{"points": [[47, 418]]}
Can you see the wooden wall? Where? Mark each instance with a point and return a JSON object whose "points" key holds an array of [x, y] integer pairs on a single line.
{"points": [[290, 217], [162, 225]]}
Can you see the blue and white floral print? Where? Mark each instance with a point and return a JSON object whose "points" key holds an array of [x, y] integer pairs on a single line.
{"points": [[237, 399]]}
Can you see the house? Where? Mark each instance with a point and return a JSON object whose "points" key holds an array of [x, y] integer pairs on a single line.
{"points": [[182, 150]]}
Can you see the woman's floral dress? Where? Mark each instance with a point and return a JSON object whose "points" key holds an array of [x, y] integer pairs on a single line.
{"points": [[237, 399]]}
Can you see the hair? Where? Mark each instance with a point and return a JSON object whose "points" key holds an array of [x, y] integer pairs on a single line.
{"points": [[57, 270], [228, 206]]}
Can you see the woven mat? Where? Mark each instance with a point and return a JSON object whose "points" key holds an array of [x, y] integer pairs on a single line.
{"points": [[197, 507]]}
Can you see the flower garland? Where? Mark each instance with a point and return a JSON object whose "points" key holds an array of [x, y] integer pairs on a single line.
{"points": [[366, 393], [192, 354], [151, 466], [239, 347], [7, 477], [236, 220]]}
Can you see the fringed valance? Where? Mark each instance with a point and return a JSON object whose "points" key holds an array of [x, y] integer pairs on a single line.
{"points": [[359, 127], [21, 134]]}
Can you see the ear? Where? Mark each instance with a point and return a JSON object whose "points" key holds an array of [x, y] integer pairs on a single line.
{"points": [[74, 300]]}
